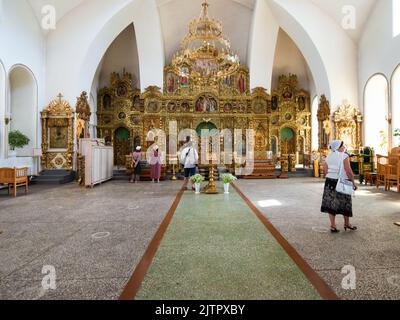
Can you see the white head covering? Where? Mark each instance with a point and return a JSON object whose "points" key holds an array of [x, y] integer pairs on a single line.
{"points": [[138, 148], [335, 145], [155, 148]]}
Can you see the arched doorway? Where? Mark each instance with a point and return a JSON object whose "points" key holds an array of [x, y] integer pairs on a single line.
{"points": [[288, 141], [3, 140], [376, 100], [205, 126], [122, 146], [23, 106]]}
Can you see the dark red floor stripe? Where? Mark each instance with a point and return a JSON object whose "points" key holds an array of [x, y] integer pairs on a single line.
{"points": [[135, 282], [323, 289]]}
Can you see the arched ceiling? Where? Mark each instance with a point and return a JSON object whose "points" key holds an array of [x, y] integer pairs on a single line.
{"points": [[236, 16]]}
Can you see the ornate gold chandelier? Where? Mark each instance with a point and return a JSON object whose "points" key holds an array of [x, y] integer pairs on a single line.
{"points": [[205, 53]]}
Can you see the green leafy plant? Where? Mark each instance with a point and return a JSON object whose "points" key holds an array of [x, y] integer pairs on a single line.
{"points": [[228, 178], [197, 178], [397, 135], [17, 140]]}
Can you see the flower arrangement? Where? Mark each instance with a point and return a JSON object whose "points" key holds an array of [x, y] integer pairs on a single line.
{"points": [[228, 178], [17, 140], [197, 178]]}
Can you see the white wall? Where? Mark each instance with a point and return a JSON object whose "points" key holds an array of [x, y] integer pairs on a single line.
{"points": [[289, 59], [122, 54], [327, 48], [22, 43], [3, 139], [23, 106], [379, 52], [85, 44], [262, 44]]}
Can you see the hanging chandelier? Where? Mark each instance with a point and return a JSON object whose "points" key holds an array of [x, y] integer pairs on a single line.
{"points": [[206, 51]]}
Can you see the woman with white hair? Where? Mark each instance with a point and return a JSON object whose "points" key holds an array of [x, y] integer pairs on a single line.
{"points": [[337, 166], [136, 165]]}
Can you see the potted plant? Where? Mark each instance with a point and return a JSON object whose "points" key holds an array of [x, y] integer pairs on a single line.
{"points": [[227, 179], [197, 179], [16, 140]]}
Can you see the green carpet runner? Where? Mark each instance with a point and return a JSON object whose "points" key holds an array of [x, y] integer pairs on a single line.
{"points": [[216, 249]]}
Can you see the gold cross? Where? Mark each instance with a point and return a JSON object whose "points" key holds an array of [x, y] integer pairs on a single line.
{"points": [[60, 96]]}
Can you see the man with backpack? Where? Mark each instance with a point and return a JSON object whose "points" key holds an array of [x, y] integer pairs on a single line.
{"points": [[189, 159]]}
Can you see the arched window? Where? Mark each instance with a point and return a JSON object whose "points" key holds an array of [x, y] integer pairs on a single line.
{"points": [[395, 85], [314, 123], [396, 17], [23, 106], [376, 100], [2, 110]]}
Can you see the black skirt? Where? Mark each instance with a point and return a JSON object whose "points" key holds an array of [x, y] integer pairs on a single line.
{"points": [[138, 169], [336, 203]]}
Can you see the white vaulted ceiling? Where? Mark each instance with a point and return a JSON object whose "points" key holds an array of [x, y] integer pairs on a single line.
{"points": [[236, 16], [62, 6], [334, 9]]}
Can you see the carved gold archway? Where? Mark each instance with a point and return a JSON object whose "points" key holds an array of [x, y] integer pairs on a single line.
{"points": [[348, 126], [58, 135]]}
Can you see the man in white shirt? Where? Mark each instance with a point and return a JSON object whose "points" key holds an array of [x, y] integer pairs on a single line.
{"points": [[189, 159]]}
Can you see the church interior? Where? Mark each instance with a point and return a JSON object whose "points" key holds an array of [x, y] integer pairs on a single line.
{"points": [[91, 91]]}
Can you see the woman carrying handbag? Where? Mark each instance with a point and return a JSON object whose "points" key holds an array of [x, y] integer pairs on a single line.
{"points": [[339, 186]]}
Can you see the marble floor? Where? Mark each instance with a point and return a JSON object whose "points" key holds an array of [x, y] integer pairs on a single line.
{"points": [[293, 205], [94, 238]]}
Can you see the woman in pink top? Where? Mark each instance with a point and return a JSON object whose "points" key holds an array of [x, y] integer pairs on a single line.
{"points": [[155, 165]]}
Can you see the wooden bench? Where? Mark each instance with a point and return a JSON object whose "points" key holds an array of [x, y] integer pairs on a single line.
{"points": [[14, 177]]}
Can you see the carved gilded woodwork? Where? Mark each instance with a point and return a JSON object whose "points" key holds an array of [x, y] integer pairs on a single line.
{"points": [[57, 135], [83, 116], [324, 124], [348, 126], [205, 84]]}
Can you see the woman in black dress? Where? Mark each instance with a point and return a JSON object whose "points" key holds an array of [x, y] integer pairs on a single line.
{"points": [[334, 203]]}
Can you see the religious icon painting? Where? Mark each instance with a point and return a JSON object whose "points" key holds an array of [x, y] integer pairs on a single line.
{"points": [[107, 102], [171, 107], [241, 108], [302, 103], [171, 83], [184, 77], [152, 106], [259, 107], [58, 138], [228, 107], [135, 120], [122, 90], [241, 84], [274, 103], [275, 121], [288, 117], [107, 120], [136, 102], [185, 106], [122, 116]]}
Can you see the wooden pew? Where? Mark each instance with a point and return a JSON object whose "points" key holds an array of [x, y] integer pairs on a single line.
{"points": [[14, 177]]}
